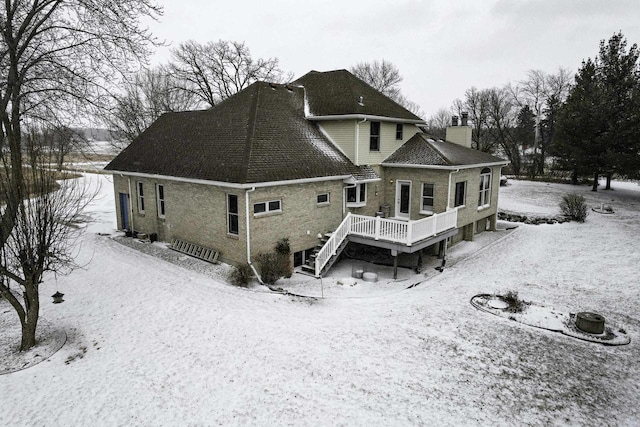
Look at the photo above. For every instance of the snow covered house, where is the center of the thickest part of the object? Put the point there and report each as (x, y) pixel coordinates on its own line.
(324, 154)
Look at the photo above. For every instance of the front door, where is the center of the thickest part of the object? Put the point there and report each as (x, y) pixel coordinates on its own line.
(124, 210)
(403, 199)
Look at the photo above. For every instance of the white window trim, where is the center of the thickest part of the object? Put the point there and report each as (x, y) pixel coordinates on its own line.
(267, 211)
(160, 201)
(422, 197)
(484, 195)
(140, 197)
(328, 202)
(464, 198)
(358, 203)
(236, 214)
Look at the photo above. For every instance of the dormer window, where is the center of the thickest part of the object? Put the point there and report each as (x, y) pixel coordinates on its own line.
(374, 137)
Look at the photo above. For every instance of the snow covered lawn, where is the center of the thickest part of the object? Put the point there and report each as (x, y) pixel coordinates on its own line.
(152, 343)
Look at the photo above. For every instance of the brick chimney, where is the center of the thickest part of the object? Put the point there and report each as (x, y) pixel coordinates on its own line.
(459, 134)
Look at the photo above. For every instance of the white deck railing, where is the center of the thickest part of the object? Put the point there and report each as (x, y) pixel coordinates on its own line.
(391, 230)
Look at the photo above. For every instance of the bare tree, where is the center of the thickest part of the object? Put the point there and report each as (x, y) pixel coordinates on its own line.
(538, 91)
(145, 96)
(502, 116)
(437, 124)
(476, 103)
(58, 59)
(385, 77)
(214, 71)
(43, 231)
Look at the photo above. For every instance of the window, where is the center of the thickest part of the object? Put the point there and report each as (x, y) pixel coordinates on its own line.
(427, 198)
(160, 199)
(140, 187)
(322, 199)
(267, 207)
(484, 198)
(232, 214)
(374, 137)
(357, 195)
(461, 189)
(399, 129)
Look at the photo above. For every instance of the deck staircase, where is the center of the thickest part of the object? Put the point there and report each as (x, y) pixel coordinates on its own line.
(310, 266)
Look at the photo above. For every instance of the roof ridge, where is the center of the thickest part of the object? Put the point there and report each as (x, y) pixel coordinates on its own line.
(251, 130)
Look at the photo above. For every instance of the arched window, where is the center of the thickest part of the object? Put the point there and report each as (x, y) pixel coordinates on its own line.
(484, 198)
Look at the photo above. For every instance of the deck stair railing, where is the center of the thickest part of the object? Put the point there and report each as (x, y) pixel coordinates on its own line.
(377, 228)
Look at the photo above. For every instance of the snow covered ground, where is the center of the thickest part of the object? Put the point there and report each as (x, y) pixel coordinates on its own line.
(152, 343)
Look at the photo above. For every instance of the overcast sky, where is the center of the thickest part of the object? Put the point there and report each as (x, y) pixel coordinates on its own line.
(440, 47)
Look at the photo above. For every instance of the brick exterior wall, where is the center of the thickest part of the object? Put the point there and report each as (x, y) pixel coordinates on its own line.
(197, 213)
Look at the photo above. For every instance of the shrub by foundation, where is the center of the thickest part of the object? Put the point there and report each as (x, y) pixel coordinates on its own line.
(241, 275)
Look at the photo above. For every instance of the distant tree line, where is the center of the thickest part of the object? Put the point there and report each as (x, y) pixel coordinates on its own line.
(586, 127)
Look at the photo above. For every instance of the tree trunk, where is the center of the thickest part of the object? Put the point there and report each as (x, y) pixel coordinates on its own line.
(32, 313)
(29, 326)
(574, 177)
(608, 187)
(595, 182)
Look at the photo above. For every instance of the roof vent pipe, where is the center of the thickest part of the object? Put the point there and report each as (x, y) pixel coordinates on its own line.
(361, 101)
(465, 118)
(454, 120)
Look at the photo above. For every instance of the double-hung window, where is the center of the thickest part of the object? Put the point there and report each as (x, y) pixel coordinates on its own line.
(232, 214)
(160, 200)
(399, 129)
(263, 208)
(461, 190)
(427, 198)
(357, 195)
(374, 137)
(140, 188)
(484, 197)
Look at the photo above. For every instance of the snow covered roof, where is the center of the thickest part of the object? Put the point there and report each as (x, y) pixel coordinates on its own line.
(340, 93)
(422, 150)
(258, 135)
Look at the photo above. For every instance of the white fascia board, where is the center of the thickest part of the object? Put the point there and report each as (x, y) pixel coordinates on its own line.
(447, 168)
(365, 116)
(230, 184)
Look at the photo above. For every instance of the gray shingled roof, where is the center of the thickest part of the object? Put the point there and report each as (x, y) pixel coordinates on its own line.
(258, 135)
(422, 150)
(338, 93)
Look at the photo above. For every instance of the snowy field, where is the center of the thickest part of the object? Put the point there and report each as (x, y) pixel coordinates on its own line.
(152, 343)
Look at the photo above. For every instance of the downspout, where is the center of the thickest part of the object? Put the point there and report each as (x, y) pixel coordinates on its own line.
(246, 213)
(130, 203)
(357, 162)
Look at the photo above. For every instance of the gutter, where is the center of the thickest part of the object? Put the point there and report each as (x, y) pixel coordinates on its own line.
(439, 167)
(366, 117)
(229, 184)
(246, 213)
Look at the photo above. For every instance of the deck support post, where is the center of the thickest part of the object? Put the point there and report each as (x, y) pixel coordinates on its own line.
(419, 261)
(394, 254)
